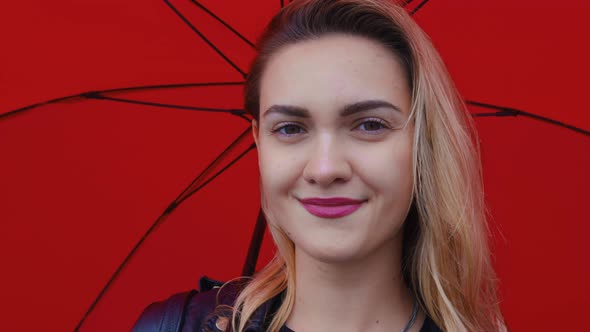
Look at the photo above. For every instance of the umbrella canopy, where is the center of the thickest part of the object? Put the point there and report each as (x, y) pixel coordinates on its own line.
(112, 110)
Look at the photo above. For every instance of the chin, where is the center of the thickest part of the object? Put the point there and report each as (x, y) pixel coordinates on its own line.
(332, 254)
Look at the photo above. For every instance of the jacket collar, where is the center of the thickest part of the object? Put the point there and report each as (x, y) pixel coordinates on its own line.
(260, 319)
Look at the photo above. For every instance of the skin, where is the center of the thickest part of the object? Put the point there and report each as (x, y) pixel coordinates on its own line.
(348, 269)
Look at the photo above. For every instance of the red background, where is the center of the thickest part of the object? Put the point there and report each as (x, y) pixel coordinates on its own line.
(82, 180)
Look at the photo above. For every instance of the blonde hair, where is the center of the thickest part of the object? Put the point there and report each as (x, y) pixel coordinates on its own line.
(446, 259)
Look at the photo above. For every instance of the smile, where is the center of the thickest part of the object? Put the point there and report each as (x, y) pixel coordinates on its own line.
(331, 207)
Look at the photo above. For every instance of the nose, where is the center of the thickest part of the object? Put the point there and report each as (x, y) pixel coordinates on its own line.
(327, 162)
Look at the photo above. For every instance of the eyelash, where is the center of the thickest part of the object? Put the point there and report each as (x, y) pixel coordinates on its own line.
(381, 122)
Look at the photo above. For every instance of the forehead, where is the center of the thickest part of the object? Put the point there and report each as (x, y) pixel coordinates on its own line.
(331, 71)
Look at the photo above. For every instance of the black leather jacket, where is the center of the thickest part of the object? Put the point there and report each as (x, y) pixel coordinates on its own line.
(197, 312)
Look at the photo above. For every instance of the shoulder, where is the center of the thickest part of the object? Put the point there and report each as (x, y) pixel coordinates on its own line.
(187, 311)
(168, 313)
(201, 309)
(200, 306)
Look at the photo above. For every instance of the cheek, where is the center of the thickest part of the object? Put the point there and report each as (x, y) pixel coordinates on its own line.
(387, 168)
(278, 175)
(277, 169)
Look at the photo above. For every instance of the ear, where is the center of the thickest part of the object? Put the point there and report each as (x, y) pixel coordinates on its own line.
(255, 131)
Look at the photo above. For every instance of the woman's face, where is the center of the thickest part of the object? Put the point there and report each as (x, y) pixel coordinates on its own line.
(331, 116)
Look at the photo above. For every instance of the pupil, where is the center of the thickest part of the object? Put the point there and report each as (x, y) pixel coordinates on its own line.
(372, 125)
(290, 129)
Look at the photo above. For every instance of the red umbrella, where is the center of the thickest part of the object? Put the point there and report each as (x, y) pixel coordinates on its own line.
(143, 96)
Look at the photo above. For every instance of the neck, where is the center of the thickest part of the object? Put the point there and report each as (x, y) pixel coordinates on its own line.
(366, 295)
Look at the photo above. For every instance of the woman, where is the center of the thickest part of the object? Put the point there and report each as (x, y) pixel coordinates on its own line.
(370, 180)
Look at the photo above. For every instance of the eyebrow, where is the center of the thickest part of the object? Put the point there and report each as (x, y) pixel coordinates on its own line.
(350, 109)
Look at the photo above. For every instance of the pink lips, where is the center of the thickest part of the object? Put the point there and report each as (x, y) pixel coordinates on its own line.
(334, 207)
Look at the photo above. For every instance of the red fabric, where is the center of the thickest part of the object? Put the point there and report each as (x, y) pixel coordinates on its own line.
(83, 179)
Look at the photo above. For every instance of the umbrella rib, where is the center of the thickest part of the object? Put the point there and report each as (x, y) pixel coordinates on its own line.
(182, 107)
(33, 106)
(255, 243)
(195, 30)
(417, 7)
(503, 111)
(243, 116)
(187, 192)
(160, 219)
(225, 24)
(171, 86)
(132, 88)
(508, 111)
(190, 193)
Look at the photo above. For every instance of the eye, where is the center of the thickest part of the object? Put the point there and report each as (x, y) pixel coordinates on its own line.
(289, 129)
(373, 126)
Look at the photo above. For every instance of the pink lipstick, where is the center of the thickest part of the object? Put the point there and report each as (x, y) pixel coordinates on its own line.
(334, 207)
